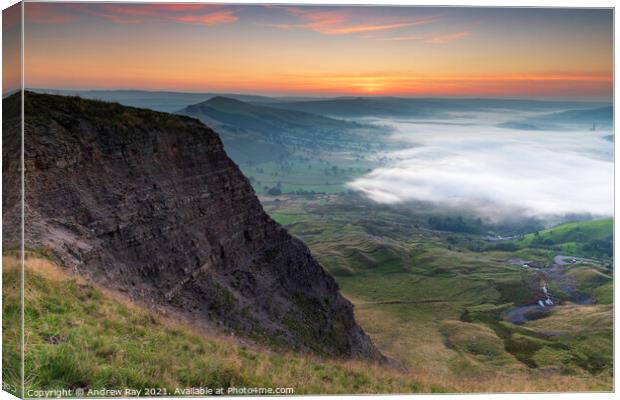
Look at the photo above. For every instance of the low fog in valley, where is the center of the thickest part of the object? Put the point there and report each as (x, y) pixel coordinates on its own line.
(470, 161)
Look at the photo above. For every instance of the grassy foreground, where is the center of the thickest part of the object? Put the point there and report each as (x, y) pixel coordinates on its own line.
(80, 336)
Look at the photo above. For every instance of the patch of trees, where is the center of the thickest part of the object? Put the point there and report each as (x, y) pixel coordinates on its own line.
(455, 224)
(276, 190)
(305, 192)
(502, 246)
(600, 246)
(540, 241)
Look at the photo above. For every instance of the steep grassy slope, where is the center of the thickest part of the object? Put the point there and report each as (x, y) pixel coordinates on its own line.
(82, 336)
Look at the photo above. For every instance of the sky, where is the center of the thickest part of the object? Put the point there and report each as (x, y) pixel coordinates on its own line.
(321, 50)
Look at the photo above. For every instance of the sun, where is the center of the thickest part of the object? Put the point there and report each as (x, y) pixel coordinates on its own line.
(371, 86)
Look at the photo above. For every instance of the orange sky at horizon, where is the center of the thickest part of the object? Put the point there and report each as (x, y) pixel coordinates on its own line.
(399, 51)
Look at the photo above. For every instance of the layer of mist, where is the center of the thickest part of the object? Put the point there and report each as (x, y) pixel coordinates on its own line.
(470, 162)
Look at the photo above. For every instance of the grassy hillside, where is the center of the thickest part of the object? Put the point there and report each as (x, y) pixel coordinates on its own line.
(82, 336)
(427, 299)
(573, 231)
(582, 238)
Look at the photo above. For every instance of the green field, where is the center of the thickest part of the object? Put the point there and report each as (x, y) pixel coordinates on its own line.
(307, 173)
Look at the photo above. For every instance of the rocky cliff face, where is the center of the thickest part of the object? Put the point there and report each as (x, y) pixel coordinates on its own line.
(150, 204)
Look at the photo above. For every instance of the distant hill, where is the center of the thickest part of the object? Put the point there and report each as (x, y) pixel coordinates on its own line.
(343, 107)
(156, 100)
(248, 130)
(359, 107)
(391, 107)
(602, 117)
(272, 123)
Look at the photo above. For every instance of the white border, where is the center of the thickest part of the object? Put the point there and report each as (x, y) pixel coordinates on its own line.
(467, 3)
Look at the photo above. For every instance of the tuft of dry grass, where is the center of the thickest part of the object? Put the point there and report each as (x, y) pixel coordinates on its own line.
(572, 318)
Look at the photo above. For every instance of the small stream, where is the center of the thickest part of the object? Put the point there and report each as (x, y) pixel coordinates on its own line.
(522, 314)
(547, 300)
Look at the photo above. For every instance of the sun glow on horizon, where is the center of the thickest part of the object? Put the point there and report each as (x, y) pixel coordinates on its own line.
(314, 50)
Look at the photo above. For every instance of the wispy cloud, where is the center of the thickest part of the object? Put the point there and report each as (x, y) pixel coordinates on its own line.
(201, 14)
(215, 18)
(451, 37)
(368, 28)
(427, 38)
(338, 22)
(401, 38)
